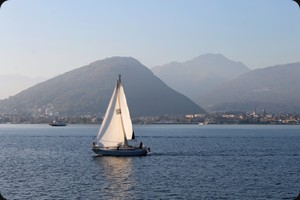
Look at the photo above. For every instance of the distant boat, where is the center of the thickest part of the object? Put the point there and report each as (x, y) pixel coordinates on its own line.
(57, 123)
(116, 129)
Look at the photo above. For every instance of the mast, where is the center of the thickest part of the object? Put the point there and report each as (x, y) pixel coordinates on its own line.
(119, 101)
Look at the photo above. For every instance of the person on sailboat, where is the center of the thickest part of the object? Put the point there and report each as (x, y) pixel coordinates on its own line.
(94, 144)
(141, 145)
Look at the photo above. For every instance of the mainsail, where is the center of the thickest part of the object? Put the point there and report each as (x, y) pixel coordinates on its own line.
(116, 127)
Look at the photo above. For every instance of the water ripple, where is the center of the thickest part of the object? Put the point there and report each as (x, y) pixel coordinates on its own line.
(184, 164)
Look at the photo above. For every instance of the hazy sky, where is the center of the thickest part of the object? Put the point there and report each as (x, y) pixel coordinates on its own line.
(47, 38)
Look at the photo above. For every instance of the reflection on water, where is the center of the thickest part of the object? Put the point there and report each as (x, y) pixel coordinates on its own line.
(117, 172)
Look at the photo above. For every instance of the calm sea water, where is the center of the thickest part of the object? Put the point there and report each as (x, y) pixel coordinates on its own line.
(187, 162)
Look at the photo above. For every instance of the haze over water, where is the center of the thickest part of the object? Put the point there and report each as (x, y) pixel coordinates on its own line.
(187, 162)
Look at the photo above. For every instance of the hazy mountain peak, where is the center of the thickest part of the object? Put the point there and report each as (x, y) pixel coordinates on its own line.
(200, 74)
(115, 61)
(211, 56)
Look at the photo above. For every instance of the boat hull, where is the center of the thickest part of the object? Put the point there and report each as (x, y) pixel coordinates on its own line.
(121, 152)
(58, 124)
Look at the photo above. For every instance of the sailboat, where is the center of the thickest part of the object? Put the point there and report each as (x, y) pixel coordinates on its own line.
(116, 129)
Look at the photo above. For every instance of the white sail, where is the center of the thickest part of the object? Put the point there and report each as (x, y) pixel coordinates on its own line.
(116, 127)
(125, 114)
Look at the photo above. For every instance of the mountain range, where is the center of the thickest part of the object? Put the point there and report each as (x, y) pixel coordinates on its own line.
(87, 90)
(214, 82)
(274, 89)
(199, 75)
(218, 84)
